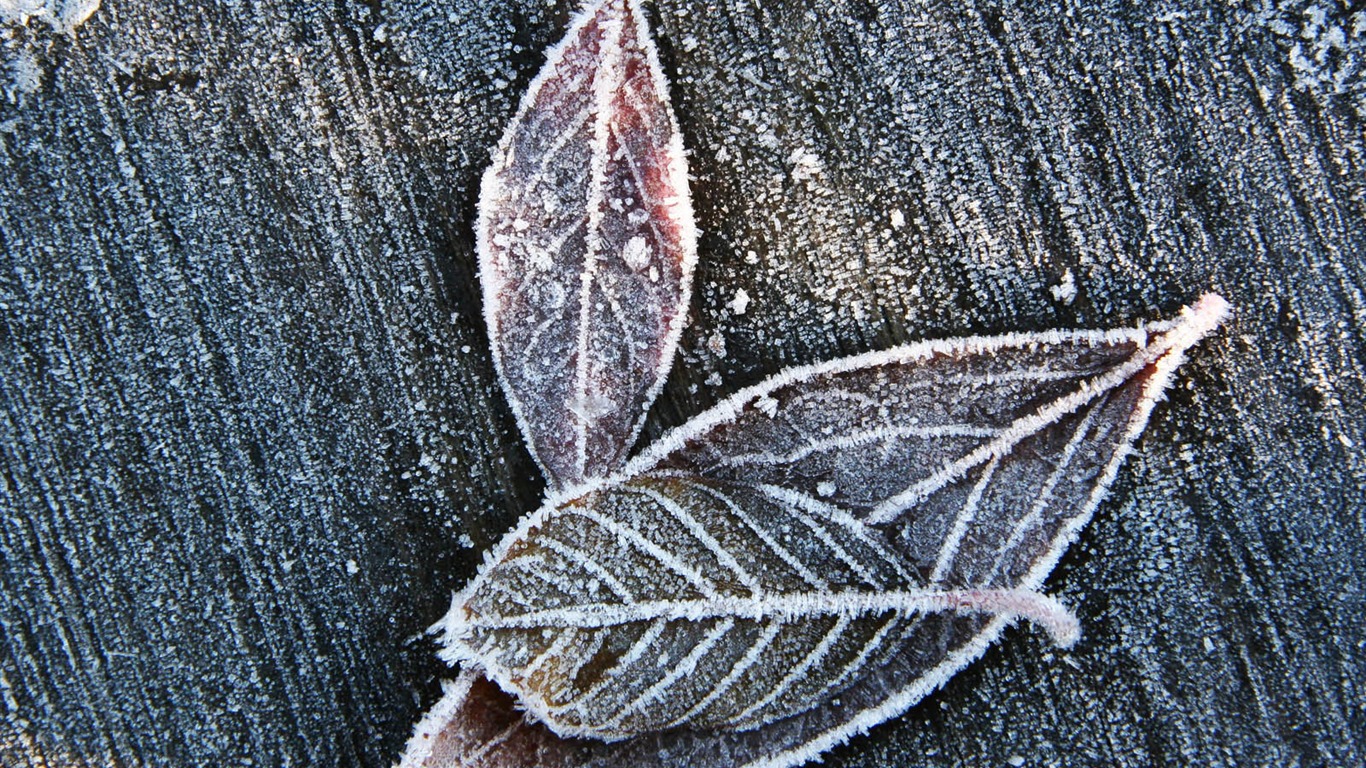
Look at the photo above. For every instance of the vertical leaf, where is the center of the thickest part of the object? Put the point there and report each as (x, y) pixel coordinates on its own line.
(587, 244)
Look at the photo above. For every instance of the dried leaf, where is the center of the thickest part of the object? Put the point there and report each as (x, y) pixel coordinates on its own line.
(586, 244)
(971, 448)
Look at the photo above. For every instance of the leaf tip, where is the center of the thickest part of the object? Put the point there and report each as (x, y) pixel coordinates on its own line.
(1057, 620)
(1045, 610)
(1208, 312)
(1065, 629)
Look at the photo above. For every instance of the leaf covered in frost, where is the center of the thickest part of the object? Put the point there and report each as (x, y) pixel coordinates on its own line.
(586, 245)
(977, 452)
(668, 601)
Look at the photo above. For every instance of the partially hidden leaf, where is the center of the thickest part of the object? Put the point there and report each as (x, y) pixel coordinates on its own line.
(477, 724)
(586, 245)
(812, 556)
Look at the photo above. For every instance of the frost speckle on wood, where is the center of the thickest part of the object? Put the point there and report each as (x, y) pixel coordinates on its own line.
(799, 563)
(63, 16)
(1322, 46)
(23, 73)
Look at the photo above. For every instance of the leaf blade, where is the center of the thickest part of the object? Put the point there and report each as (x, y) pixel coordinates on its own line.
(587, 245)
(972, 398)
(695, 611)
(678, 587)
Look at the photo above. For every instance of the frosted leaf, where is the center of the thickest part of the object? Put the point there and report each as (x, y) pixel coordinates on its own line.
(586, 245)
(728, 606)
(892, 431)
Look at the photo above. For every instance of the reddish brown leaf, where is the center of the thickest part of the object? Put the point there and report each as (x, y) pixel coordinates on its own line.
(587, 245)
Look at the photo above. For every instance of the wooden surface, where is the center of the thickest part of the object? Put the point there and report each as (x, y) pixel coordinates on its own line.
(250, 436)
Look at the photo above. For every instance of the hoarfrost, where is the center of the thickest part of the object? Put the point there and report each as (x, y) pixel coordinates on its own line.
(64, 16)
(740, 304)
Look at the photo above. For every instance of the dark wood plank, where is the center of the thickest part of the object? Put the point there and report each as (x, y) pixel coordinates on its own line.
(250, 437)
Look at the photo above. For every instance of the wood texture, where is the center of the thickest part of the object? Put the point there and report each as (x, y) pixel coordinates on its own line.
(250, 438)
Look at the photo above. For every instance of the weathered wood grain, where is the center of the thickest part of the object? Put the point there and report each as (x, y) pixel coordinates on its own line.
(250, 438)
